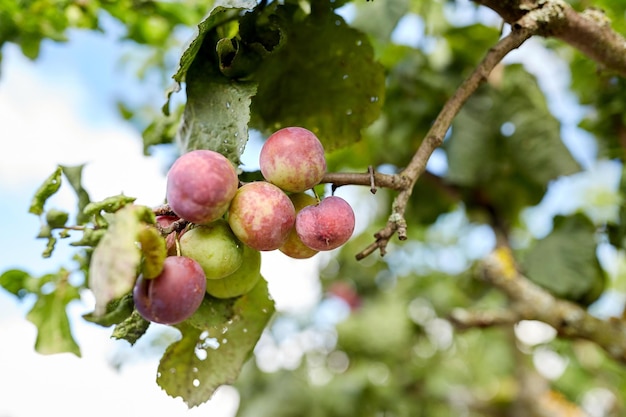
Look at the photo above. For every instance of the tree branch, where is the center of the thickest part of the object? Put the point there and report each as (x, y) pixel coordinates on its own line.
(391, 181)
(467, 319)
(589, 31)
(434, 137)
(531, 302)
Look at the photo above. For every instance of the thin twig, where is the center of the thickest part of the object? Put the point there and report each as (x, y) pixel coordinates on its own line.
(434, 137)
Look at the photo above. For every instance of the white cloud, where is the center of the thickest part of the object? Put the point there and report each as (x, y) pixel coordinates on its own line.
(41, 128)
(35, 385)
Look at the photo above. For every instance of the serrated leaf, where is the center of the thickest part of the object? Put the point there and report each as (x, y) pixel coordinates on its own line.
(46, 190)
(324, 78)
(49, 315)
(74, 175)
(56, 218)
(222, 12)
(217, 112)
(218, 16)
(116, 312)
(114, 263)
(565, 261)
(205, 358)
(132, 328)
(154, 252)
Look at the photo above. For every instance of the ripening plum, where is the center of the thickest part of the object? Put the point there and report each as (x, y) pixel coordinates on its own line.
(214, 247)
(241, 281)
(174, 295)
(293, 246)
(327, 225)
(261, 215)
(293, 159)
(200, 185)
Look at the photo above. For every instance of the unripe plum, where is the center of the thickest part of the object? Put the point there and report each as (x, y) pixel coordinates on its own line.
(326, 225)
(261, 215)
(200, 185)
(293, 246)
(241, 281)
(174, 295)
(214, 247)
(293, 159)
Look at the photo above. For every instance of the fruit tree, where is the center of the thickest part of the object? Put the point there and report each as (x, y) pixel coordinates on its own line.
(414, 152)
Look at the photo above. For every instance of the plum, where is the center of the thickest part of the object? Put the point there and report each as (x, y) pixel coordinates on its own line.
(327, 225)
(174, 295)
(261, 215)
(293, 159)
(200, 186)
(293, 246)
(214, 247)
(241, 281)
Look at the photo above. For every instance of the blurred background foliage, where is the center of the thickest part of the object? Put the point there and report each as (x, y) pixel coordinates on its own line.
(379, 342)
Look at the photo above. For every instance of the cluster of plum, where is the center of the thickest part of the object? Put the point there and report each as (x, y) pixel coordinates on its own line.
(219, 251)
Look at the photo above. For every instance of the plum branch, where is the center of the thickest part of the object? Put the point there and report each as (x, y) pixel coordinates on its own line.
(589, 31)
(405, 180)
(531, 302)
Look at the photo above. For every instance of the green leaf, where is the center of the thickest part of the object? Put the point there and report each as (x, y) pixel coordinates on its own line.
(217, 112)
(213, 353)
(115, 260)
(91, 237)
(45, 232)
(74, 176)
(162, 130)
(218, 16)
(49, 315)
(18, 282)
(236, 60)
(56, 218)
(108, 205)
(565, 262)
(324, 78)
(117, 311)
(46, 190)
(221, 14)
(52, 241)
(132, 328)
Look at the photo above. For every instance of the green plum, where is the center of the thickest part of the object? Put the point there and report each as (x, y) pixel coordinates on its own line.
(241, 281)
(214, 247)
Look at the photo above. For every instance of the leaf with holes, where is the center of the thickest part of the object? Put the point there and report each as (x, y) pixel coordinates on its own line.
(215, 344)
